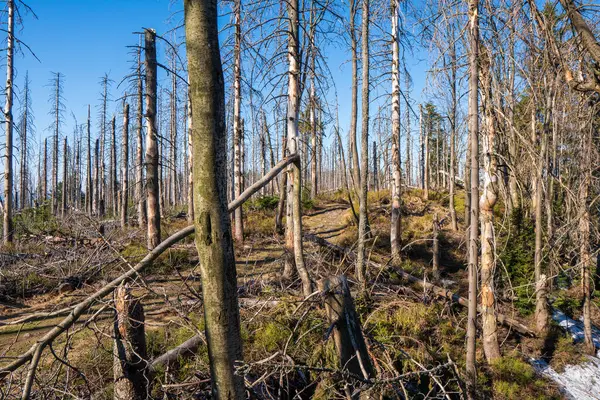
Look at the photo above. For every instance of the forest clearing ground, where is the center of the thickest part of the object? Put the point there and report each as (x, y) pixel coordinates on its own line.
(396, 317)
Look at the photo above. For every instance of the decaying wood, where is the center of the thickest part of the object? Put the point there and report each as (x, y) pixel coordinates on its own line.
(79, 309)
(341, 314)
(437, 290)
(129, 365)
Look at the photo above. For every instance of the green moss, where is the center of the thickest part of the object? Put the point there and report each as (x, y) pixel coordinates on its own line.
(565, 353)
(513, 369)
(271, 337)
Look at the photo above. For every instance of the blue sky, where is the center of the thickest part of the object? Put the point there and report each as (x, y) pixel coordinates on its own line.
(86, 39)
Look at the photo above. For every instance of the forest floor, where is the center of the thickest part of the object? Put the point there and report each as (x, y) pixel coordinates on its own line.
(407, 329)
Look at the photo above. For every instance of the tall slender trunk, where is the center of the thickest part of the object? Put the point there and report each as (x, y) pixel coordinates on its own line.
(55, 145)
(427, 131)
(362, 220)
(313, 120)
(395, 233)
(487, 202)
(89, 189)
(102, 167)
(65, 191)
(541, 301)
(139, 163)
(114, 193)
(8, 116)
(125, 166)
(292, 131)
(213, 230)
(408, 162)
(173, 148)
(190, 177)
(237, 129)
(96, 198)
(354, 101)
(45, 173)
(585, 258)
(23, 175)
(473, 34)
(152, 189)
(421, 149)
(453, 107)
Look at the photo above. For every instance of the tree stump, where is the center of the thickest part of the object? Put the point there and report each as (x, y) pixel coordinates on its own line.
(130, 357)
(347, 333)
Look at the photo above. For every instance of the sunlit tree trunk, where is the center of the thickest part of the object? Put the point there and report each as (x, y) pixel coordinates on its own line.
(89, 188)
(213, 230)
(453, 122)
(487, 202)
(125, 166)
(237, 129)
(473, 34)
(64, 194)
(395, 233)
(152, 189)
(292, 130)
(362, 221)
(8, 116)
(585, 258)
(190, 177)
(139, 163)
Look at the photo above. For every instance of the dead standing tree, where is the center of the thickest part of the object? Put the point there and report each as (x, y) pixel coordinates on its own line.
(213, 229)
(8, 116)
(152, 189)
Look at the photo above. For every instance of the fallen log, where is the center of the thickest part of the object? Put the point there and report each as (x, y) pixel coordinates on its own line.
(34, 352)
(437, 290)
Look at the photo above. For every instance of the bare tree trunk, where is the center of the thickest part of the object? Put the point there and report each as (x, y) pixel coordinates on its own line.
(101, 189)
(139, 164)
(55, 144)
(24, 173)
(63, 207)
(453, 78)
(473, 34)
(542, 316)
(130, 357)
(114, 193)
(487, 202)
(8, 115)
(281, 206)
(190, 213)
(173, 148)
(89, 188)
(152, 189)
(586, 260)
(395, 229)
(408, 163)
(362, 223)
(125, 166)
(354, 102)
(421, 148)
(237, 129)
(213, 229)
(428, 127)
(435, 248)
(96, 199)
(45, 173)
(292, 131)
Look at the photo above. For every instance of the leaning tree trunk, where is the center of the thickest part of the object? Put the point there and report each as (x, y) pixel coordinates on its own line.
(292, 129)
(125, 166)
(395, 233)
(474, 179)
(213, 229)
(152, 190)
(487, 202)
(8, 115)
(364, 172)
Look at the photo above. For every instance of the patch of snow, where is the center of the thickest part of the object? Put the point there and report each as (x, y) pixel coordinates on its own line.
(575, 328)
(577, 382)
